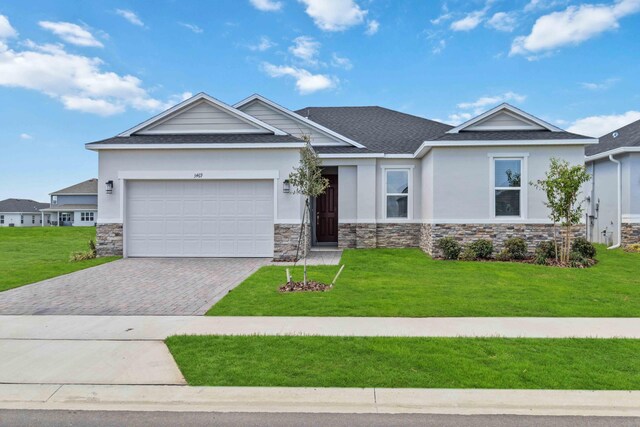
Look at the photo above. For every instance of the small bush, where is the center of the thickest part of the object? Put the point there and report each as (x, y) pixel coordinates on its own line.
(516, 248)
(634, 247)
(84, 255)
(545, 251)
(504, 255)
(468, 254)
(482, 248)
(577, 260)
(450, 247)
(583, 247)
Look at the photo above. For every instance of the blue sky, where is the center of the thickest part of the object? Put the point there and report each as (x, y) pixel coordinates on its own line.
(76, 72)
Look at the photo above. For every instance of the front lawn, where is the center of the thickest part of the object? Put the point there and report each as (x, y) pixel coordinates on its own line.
(28, 255)
(408, 283)
(311, 361)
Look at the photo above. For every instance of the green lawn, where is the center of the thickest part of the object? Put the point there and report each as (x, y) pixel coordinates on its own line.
(408, 283)
(311, 361)
(28, 255)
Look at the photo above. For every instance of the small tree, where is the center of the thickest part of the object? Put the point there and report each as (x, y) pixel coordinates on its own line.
(307, 180)
(562, 185)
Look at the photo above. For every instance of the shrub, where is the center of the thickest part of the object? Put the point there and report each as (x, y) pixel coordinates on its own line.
(504, 255)
(450, 247)
(545, 251)
(468, 254)
(84, 255)
(583, 247)
(634, 247)
(577, 260)
(482, 248)
(516, 248)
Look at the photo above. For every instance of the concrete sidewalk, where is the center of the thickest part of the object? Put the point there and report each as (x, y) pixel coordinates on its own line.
(137, 328)
(319, 400)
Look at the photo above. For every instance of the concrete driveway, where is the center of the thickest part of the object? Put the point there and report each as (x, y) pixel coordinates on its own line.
(134, 286)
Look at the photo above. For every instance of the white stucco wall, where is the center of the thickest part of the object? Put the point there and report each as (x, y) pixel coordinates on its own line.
(14, 218)
(347, 194)
(190, 162)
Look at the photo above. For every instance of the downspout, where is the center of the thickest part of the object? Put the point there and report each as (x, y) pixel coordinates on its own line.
(617, 245)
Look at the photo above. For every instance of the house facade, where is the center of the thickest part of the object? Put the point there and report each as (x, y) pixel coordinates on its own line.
(75, 206)
(22, 213)
(209, 179)
(614, 196)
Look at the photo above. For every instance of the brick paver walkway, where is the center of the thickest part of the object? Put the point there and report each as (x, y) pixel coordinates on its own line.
(134, 286)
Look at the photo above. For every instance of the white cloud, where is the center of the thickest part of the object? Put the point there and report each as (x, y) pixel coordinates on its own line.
(130, 16)
(372, 27)
(534, 5)
(306, 82)
(341, 62)
(457, 118)
(597, 126)
(6, 30)
(572, 26)
(469, 22)
(267, 5)
(334, 15)
(486, 101)
(439, 46)
(502, 21)
(79, 82)
(264, 44)
(25, 136)
(192, 27)
(601, 85)
(71, 33)
(306, 49)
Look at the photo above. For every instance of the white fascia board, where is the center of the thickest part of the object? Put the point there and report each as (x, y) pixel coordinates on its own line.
(615, 151)
(351, 156)
(497, 220)
(297, 117)
(428, 145)
(73, 194)
(130, 146)
(508, 107)
(202, 175)
(196, 98)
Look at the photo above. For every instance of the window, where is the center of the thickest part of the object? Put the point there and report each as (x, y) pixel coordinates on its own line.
(65, 217)
(54, 200)
(21, 219)
(33, 219)
(507, 187)
(1, 219)
(397, 193)
(86, 216)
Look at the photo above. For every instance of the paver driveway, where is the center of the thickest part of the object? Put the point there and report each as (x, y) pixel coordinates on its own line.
(134, 286)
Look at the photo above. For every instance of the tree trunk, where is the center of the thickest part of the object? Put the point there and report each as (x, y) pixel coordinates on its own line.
(306, 236)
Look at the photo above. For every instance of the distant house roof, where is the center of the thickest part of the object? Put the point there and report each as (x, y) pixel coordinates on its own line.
(626, 136)
(64, 208)
(199, 139)
(89, 186)
(21, 206)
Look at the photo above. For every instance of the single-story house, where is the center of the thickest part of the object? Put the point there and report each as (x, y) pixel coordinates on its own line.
(75, 206)
(22, 213)
(209, 179)
(614, 199)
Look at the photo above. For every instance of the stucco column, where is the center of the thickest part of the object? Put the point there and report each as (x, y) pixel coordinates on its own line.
(366, 206)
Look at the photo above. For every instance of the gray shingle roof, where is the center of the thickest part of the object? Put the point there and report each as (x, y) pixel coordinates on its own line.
(200, 139)
(61, 208)
(628, 136)
(21, 205)
(89, 186)
(506, 135)
(381, 130)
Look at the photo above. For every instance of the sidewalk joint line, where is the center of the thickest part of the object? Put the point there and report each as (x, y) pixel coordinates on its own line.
(52, 394)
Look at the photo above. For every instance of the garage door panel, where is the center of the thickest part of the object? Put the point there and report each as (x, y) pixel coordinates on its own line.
(199, 218)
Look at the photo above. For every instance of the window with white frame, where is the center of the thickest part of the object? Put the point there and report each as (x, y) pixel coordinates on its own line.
(507, 186)
(54, 200)
(397, 193)
(86, 216)
(1, 219)
(33, 219)
(21, 219)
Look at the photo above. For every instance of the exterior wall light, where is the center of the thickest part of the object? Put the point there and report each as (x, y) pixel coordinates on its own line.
(286, 186)
(109, 186)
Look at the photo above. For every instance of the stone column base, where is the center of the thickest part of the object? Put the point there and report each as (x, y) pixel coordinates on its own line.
(347, 236)
(285, 242)
(366, 236)
(630, 233)
(109, 240)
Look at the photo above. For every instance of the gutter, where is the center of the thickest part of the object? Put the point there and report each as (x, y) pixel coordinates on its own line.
(619, 191)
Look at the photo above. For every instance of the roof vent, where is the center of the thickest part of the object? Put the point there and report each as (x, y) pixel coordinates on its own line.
(615, 134)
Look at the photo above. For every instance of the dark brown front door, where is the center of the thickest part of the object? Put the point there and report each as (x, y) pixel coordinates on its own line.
(327, 213)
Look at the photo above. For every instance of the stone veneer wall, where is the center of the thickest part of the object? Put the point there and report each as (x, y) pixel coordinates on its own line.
(366, 236)
(109, 240)
(630, 233)
(285, 241)
(347, 235)
(398, 235)
(533, 234)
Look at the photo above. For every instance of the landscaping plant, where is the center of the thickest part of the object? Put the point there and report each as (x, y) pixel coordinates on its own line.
(634, 247)
(450, 247)
(562, 185)
(515, 248)
(584, 247)
(482, 248)
(85, 255)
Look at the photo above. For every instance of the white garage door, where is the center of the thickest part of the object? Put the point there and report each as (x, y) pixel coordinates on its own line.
(199, 219)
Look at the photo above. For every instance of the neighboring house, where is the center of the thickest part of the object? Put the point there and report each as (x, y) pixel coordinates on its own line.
(74, 206)
(208, 179)
(22, 213)
(614, 164)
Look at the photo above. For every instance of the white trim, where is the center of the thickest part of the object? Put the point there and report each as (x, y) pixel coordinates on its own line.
(201, 132)
(404, 168)
(351, 156)
(200, 175)
(615, 151)
(510, 108)
(426, 146)
(524, 173)
(72, 194)
(631, 219)
(69, 210)
(504, 220)
(297, 117)
(193, 100)
(182, 146)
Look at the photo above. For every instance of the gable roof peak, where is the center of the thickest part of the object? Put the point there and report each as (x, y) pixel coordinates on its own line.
(511, 110)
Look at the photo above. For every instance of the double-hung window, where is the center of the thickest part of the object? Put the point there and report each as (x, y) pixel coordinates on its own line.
(86, 216)
(397, 192)
(507, 187)
(1, 219)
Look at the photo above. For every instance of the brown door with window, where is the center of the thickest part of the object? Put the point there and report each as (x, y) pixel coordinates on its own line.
(327, 213)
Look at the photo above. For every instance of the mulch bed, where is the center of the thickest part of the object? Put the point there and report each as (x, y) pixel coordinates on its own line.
(300, 287)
